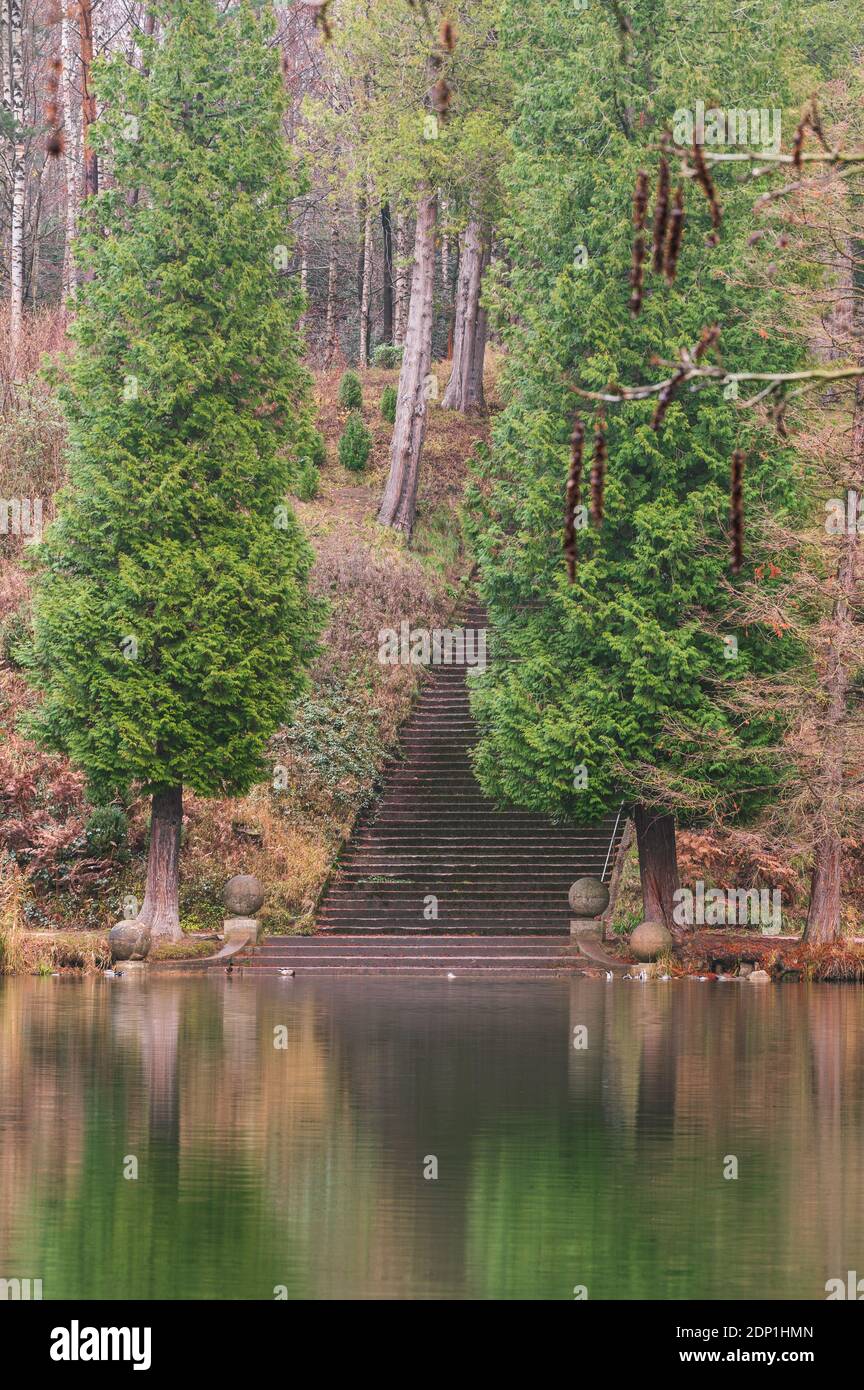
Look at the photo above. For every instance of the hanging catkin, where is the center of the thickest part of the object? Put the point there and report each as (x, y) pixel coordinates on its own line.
(574, 484)
(736, 511)
(661, 214)
(640, 207)
(673, 237)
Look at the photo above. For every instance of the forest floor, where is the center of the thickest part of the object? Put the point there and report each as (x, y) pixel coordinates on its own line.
(59, 876)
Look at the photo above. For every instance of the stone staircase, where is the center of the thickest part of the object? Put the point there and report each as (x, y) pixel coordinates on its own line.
(437, 876)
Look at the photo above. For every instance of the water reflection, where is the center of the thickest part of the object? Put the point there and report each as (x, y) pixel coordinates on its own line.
(302, 1165)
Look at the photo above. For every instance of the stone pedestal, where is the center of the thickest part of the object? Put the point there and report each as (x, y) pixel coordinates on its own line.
(586, 926)
(246, 927)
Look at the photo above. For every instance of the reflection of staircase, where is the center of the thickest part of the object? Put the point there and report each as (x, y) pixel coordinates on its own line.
(499, 878)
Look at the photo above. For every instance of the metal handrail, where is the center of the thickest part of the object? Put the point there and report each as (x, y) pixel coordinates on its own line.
(611, 843)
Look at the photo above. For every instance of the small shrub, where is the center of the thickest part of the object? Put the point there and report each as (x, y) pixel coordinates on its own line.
(350, 391)
(388, 403)
(308, 481)
(106, 832)
(318, 449)
(15, 636)
(387, 355)
(355, 444)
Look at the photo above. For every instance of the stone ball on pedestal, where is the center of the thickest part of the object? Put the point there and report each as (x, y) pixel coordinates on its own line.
(129, 940)
(244, 894)
(650, 940)
(588, 897)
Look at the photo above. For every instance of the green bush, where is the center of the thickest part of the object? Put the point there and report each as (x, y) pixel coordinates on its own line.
(16, 636)
(388, 403)
(308, 481)
(350, 391)
(355, 444)
(106, 832)
(387, 355)
(318, 450)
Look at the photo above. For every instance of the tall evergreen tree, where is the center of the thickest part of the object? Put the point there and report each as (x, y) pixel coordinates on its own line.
(172, 619)
(626, 667)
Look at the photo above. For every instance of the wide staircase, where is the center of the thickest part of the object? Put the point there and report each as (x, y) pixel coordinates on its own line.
(436, 877)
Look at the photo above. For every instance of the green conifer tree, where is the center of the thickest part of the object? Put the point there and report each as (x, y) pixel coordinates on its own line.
(599, 671)
(172, 618)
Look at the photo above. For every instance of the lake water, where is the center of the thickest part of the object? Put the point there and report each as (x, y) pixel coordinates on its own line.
(300, 1167)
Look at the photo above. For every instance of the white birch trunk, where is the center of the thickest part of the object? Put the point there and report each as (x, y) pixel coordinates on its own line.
(19, 185)
(67, 57)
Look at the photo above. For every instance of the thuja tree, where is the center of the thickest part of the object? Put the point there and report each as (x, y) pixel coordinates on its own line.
(623, 667)
(172, 620)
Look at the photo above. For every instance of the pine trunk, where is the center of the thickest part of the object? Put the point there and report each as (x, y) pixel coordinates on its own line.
(658, 863)
(161, 907)
(400, 497)
(476, 396)
(88, 97)
(331, 331)
(402, 281)
(387, 277)
(366, 288)
(462, 381)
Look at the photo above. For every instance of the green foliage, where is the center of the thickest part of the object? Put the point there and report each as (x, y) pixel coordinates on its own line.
(172, 618)
(624, 670)
(16, 637)
(355, 444)
(106, 832)
(350, 391)
(389, 397)
(388, 355)
(308, 482)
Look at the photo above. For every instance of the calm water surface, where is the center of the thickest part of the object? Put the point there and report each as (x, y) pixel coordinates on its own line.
(302, 1165)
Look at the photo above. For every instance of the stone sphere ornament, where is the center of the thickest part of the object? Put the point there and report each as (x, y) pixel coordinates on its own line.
(129, 941)
(649, 940)
(244, 894)
(588, 897)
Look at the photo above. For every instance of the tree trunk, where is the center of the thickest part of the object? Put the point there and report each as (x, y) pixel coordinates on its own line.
(387, 278)
(476, 396)
(366, 287)
(403, 288)
(400, 496)
(161, 909)
(462, 377)
(331, 330)
(88, 97)
(19, 180)
(658, 863)
(67, 57)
